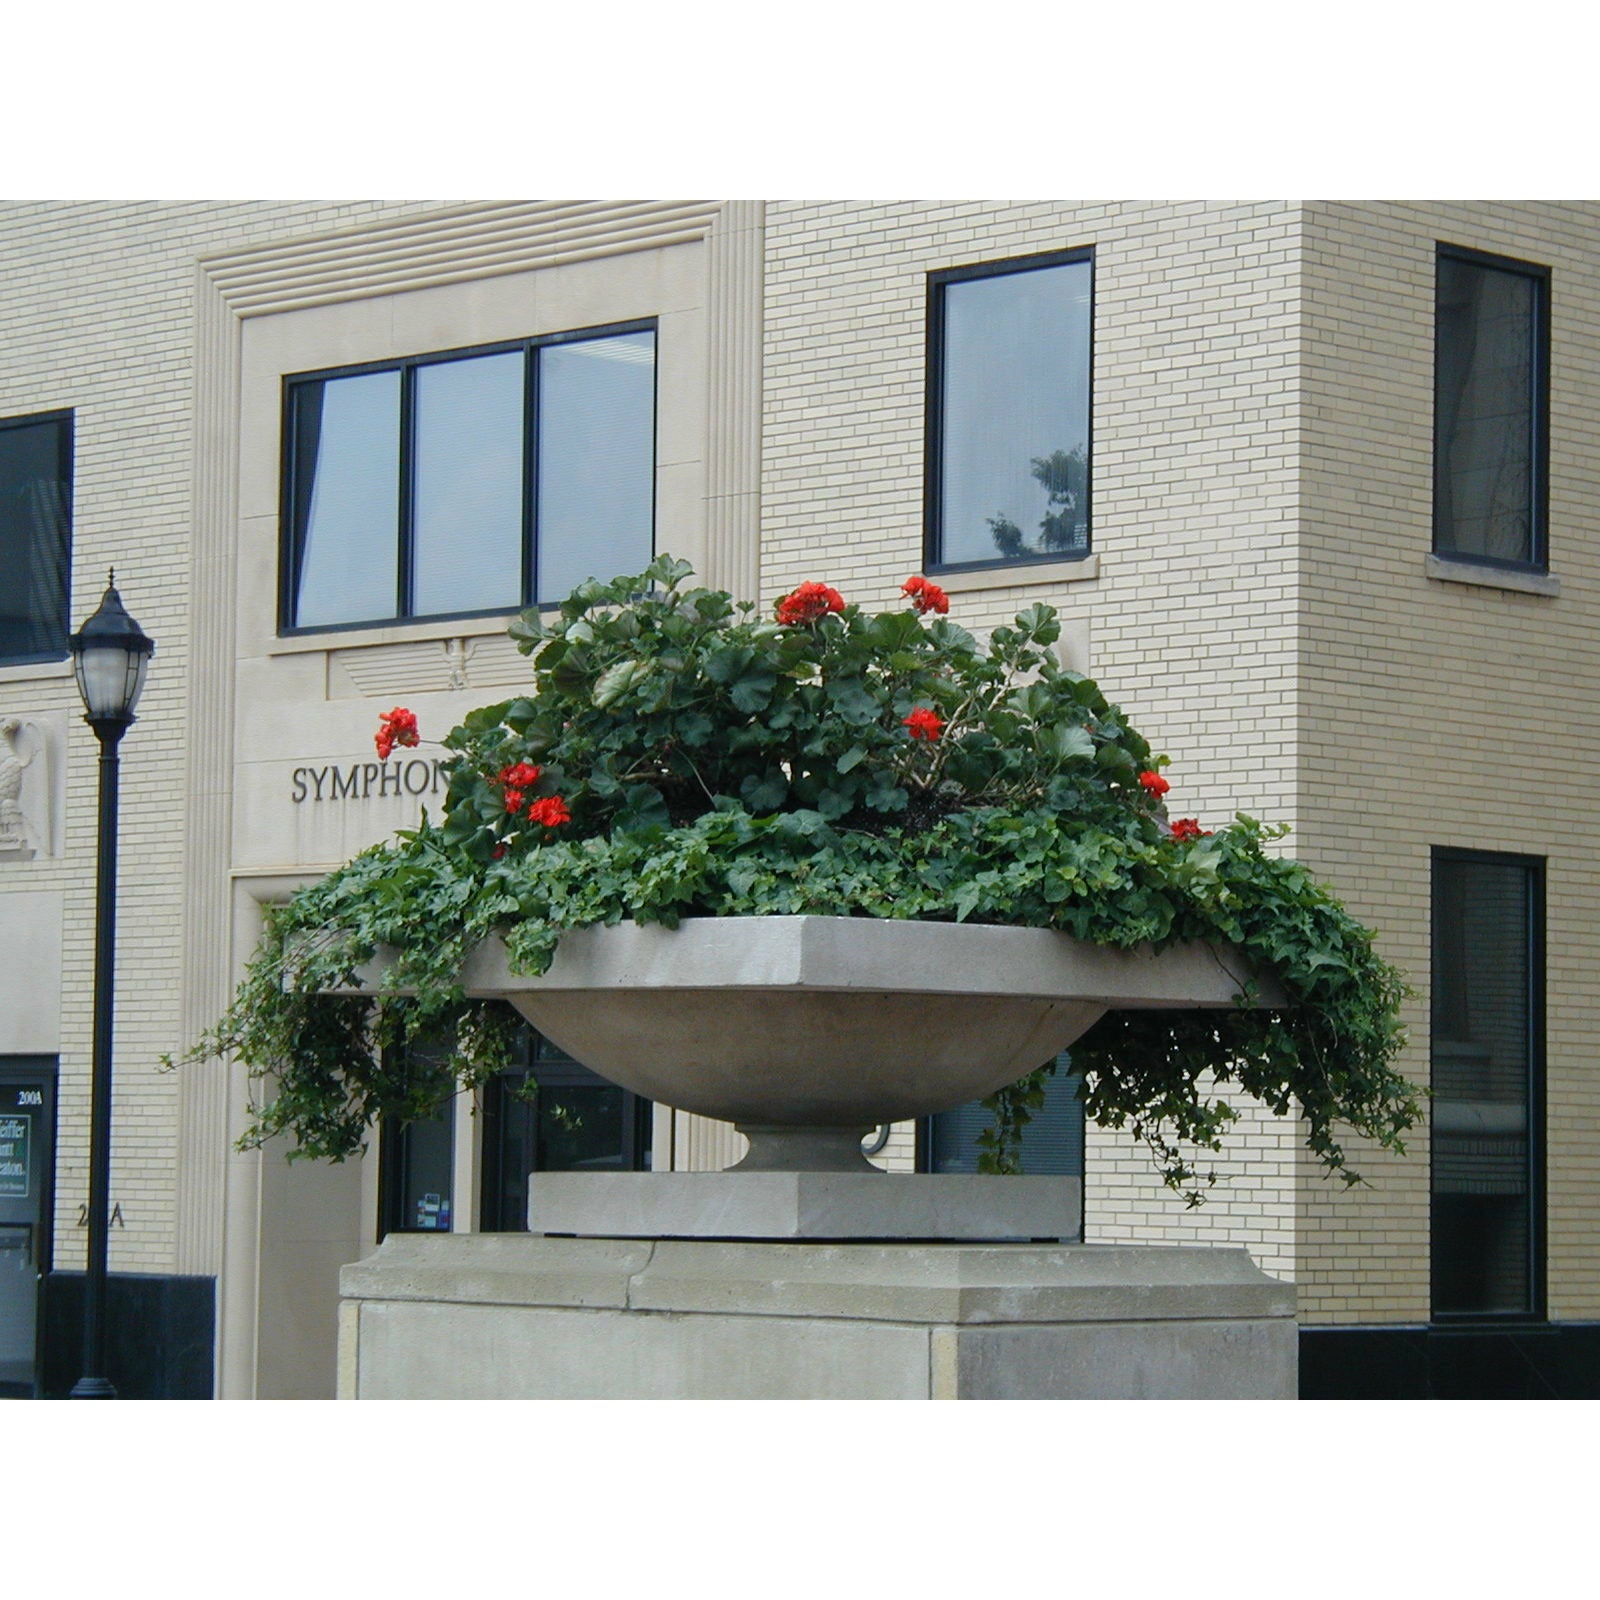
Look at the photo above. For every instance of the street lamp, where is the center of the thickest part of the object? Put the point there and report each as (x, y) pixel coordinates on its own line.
(109, 658)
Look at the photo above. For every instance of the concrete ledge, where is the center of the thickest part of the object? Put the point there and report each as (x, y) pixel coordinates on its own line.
(1484, 576)
(804, 1205)
(520, 1316)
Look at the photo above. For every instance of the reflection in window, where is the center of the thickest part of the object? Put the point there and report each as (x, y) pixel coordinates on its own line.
(551, 1114)
(347, 481)
(1489, 423)
(416, 1169)
(1485, 1079)
(469, 485)
(35, 536)
(1011, 402)
(596, 485)
(446, 486)
(1052, 1143)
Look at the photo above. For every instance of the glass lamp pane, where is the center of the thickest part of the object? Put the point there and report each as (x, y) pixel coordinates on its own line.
(1014, 444)
(347, 499)
(468, 507)
(597, 407)
(110, 680)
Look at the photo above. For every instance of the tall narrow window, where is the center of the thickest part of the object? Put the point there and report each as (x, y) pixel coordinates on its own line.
(35, 536)
(416, 1173)
(1008, 412)
(1491, 357)
(468, 482)
(1488, 1080)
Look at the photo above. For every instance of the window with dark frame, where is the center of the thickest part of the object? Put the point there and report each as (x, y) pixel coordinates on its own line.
(551, 1114)
(35, 536)
(1491, 410)
(1010, 348)
(467, 482)
(416, 1169)
(1488, 1085)
(1052, 1142)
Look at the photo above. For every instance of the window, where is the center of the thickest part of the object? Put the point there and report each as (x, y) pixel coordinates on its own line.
(1052, 1143)
(1488, 1083)
(468, 482)
(416, 1168)
(549, 1114)
(1008, 411)
(35, 536)
(1491, 408)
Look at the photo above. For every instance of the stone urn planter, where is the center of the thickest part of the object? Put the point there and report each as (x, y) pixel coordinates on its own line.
(807, 1031)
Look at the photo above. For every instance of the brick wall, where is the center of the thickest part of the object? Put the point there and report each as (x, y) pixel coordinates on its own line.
(97, 316)
(1440, 714)
(1191, 619)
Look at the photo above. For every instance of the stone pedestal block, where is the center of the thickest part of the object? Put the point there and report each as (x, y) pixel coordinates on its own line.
(806, 1205)
(526, 1317)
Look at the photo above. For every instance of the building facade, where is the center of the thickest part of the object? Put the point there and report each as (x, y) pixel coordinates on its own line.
(1307, 481)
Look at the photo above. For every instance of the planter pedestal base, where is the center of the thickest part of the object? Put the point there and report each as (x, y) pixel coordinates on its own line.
(741, 1204)
(519, 1316)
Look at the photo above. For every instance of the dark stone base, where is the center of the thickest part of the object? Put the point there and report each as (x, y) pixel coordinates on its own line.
(160, 1335)
(1525, 1361)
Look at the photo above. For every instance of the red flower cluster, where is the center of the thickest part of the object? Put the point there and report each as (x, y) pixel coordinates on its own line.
(551, 812)
(1188, 828)
(809, 603)
(521, 776)
(926, 596)
(1153, 783)
(396, 727)
(924, 724)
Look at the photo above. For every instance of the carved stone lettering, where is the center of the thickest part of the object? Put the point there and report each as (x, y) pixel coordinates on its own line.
(366, 780)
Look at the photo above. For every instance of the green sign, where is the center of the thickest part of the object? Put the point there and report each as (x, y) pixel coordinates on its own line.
(16, 1133)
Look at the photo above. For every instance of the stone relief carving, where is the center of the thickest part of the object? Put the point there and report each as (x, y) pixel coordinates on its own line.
(24, 792)
(457, 653)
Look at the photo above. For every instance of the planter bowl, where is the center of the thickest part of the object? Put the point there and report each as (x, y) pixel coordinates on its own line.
(806, 1031)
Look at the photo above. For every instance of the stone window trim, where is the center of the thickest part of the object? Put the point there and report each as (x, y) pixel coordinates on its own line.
(1485, 575)
(974, 580)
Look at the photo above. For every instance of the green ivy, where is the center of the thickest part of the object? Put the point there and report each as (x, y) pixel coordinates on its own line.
(714, 763)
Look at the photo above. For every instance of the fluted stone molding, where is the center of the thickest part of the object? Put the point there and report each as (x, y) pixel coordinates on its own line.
(733, 425)
(458, 244)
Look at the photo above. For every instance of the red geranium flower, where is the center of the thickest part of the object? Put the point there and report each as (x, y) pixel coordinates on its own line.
(926, 596)
(809, 603)
(1188, 828)
(514, 800)
(552, 811)
(395, 727)
(1153, 783)
(521, 776)
(923, 723)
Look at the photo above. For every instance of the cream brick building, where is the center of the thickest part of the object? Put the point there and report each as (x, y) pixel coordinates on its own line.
(1256, 578)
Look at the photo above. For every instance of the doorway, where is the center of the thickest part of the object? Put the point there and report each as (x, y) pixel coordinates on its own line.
(27, 1182)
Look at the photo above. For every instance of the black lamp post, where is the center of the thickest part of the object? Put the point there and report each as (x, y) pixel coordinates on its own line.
(109, 657)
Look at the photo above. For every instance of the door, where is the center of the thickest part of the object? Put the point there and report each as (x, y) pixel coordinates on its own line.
(27, 1130)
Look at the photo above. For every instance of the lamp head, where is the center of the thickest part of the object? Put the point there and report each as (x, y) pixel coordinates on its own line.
(110, 655)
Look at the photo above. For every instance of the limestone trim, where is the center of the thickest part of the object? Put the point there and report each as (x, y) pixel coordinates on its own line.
(1033, 576)
(442, 245)
(1483, 576)
(455, 245)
